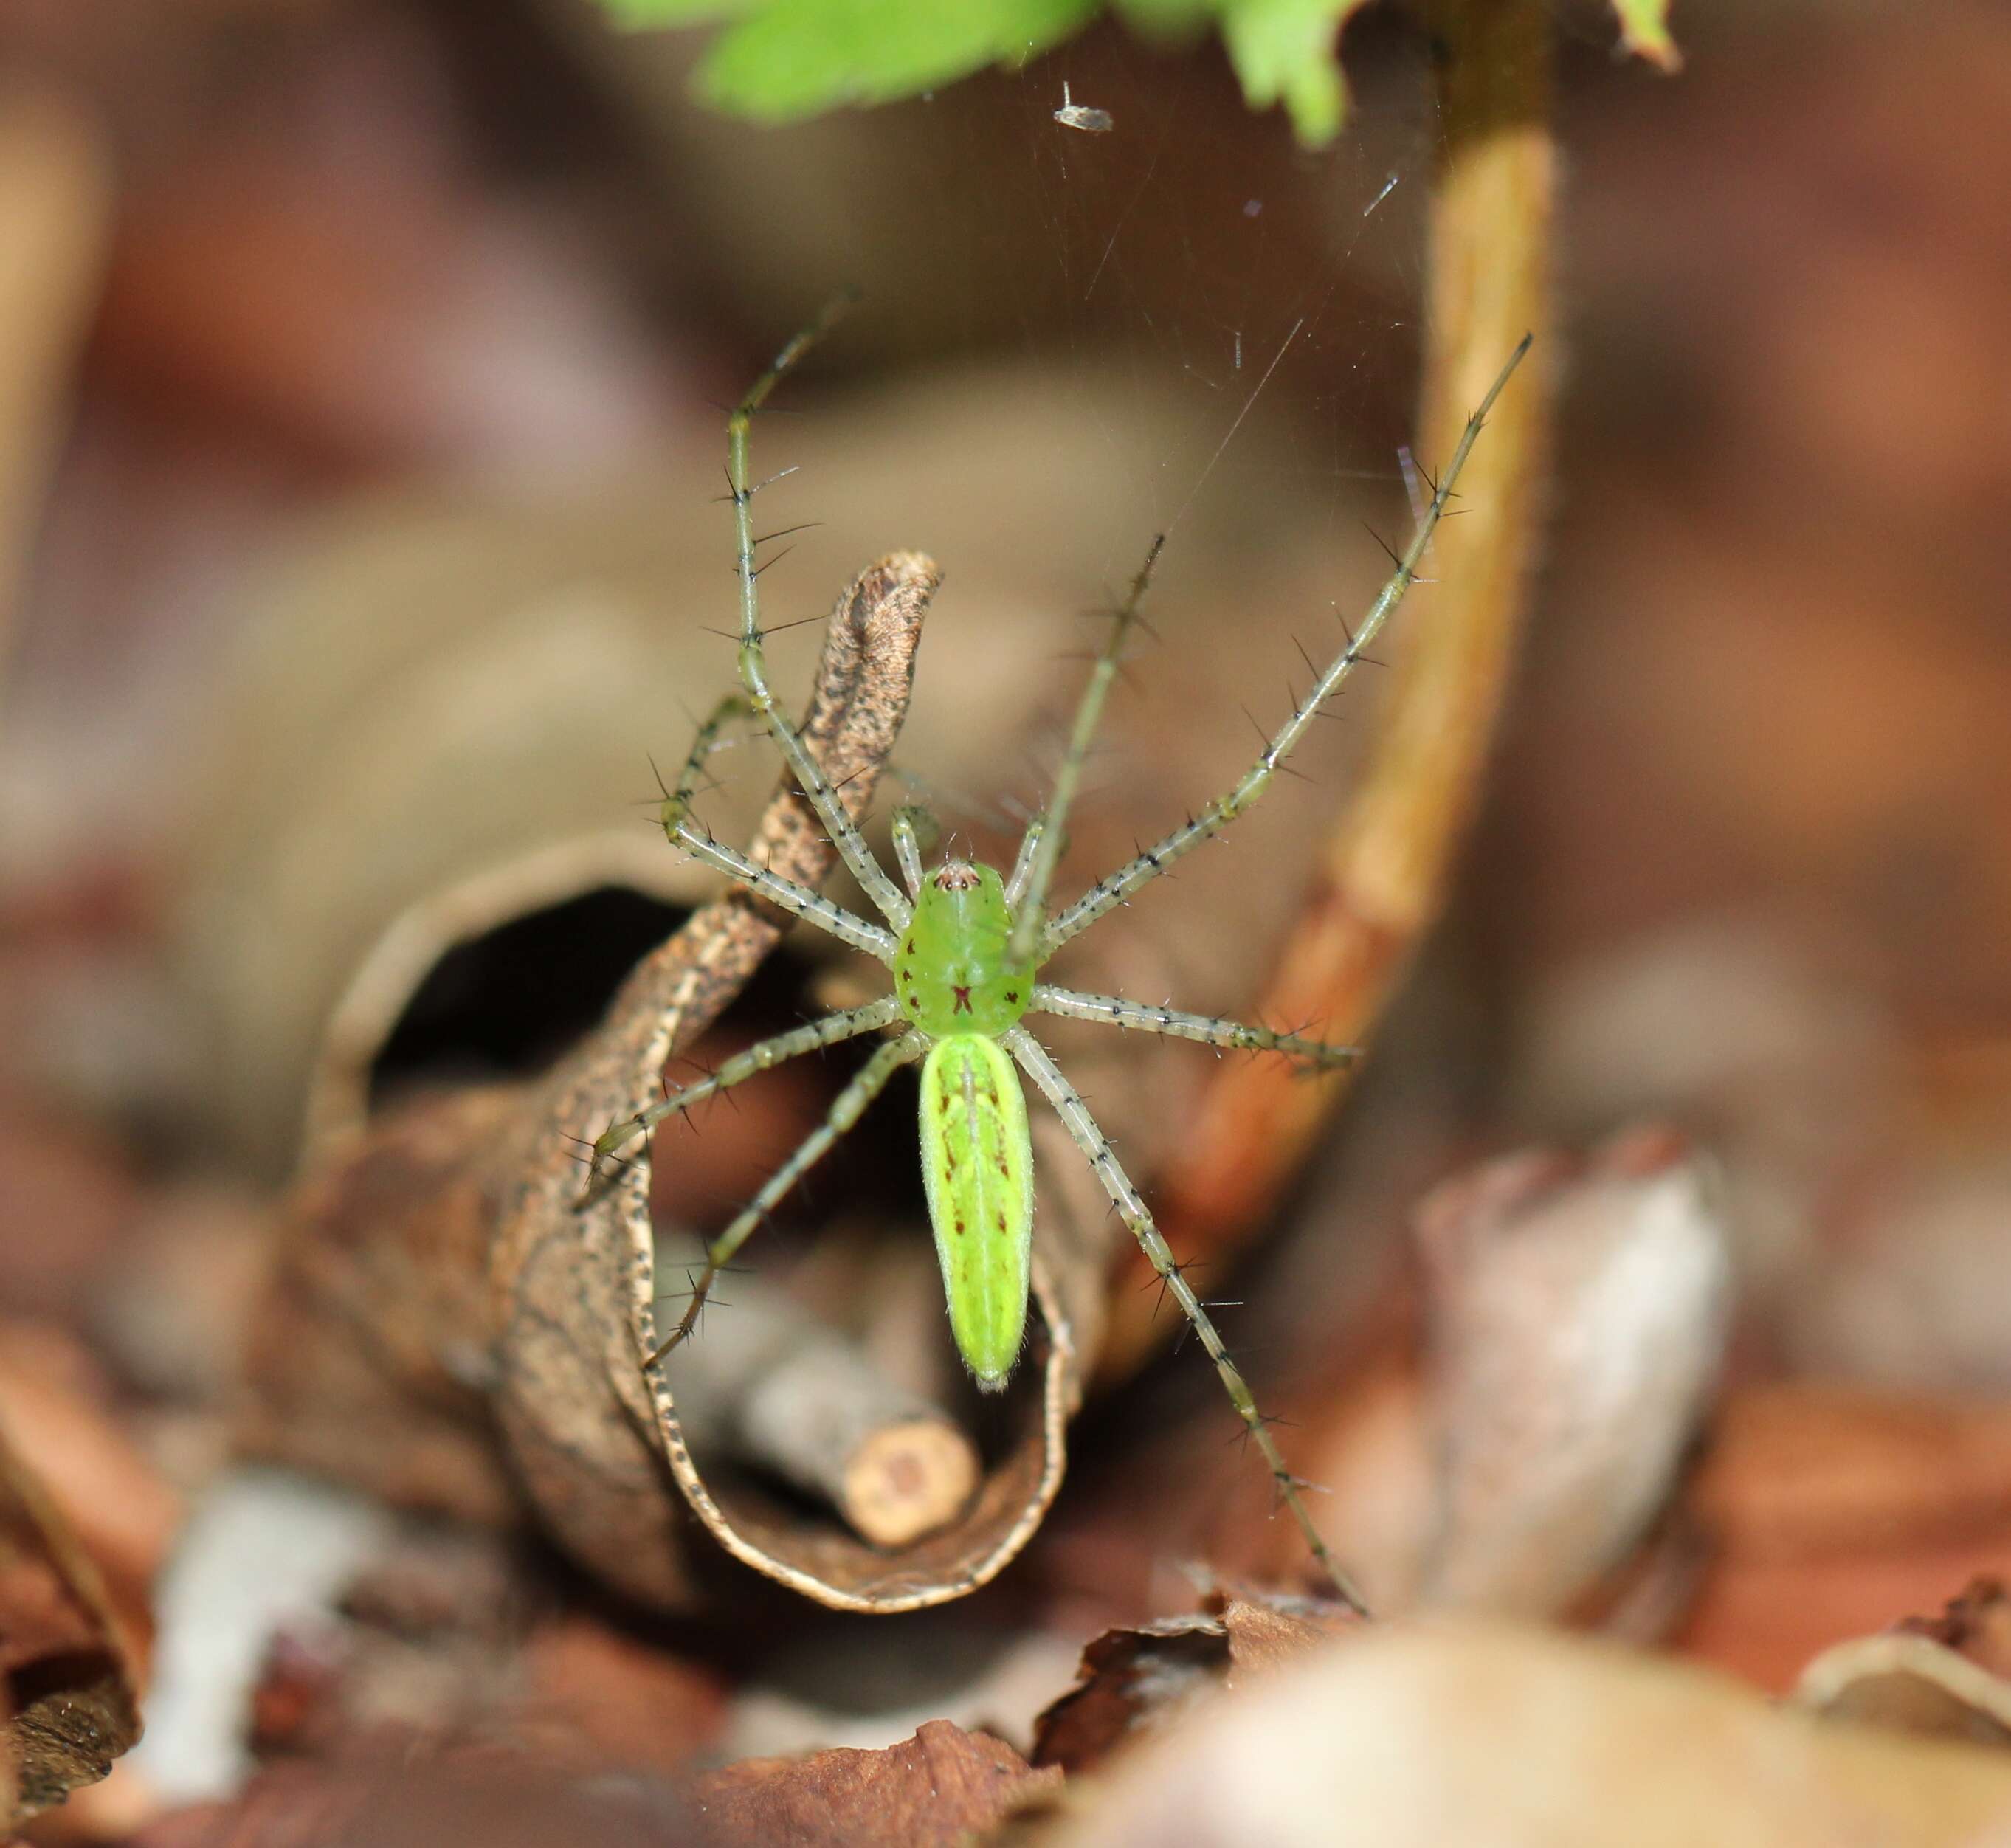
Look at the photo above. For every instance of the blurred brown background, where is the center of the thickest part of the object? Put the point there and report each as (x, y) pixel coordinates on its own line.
(359, 375)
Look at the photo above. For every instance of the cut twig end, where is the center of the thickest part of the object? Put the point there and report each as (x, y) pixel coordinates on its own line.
(904, 1482)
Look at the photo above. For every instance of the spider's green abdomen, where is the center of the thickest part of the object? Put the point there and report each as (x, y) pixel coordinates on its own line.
(951, 971)
(978, 1163)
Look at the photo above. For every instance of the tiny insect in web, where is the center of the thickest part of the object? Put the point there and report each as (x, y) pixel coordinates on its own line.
(964, 944)
(1081, 115)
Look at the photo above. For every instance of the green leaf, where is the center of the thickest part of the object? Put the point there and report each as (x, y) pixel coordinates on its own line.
(1282, 51)
(777, 60)
(792, 58)
(1644, 30)
(637, 16)
(1289, 51)
(1169, 18)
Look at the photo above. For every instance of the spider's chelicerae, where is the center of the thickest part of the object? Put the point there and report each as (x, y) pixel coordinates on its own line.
(966, 946)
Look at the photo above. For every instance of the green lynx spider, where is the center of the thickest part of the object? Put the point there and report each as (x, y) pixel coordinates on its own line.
(965, 947)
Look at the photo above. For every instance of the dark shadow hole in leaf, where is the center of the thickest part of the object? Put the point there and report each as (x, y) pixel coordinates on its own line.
(505, 1004)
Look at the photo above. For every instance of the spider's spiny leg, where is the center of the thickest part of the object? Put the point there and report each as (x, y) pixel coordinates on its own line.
(1023, 863)
(851, 845)
(1208, 1030)
(763, 1056)
(812, 907)
(677, 801)
(1091, 1140)
(845, 1110)
(1042, 845)
(1115, 888)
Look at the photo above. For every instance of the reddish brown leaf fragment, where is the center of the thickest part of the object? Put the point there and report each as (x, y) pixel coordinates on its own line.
(70, 1705)
(1267, 1629)
(1977, 1623)
(1134, 1680)
(932, 1791)
(1129, 1680)
(1943, 1677)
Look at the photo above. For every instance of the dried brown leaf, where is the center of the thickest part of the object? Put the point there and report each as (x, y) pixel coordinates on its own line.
(471, 1799)
(1909, 1684)
(1829, 1507)
(593, 1692)
(934, 1790)
(1943, 1677)
(69, 1686)
(1132, 1681)
(1975, 1624)
(1267, 1629)
(56, 201)
(1419, 1737)
(1579, 1312)
(1129, 1679)
(1805, 1468)
(56, 1406)
(1512, 1434)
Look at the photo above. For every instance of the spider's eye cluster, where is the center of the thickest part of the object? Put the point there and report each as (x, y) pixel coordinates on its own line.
(957, 875)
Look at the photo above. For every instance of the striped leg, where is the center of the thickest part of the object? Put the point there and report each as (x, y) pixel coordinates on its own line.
(1081, 1125)
(851, 845)
(1116, 888)
(812, 907)
(826, 1029)
(846, 1108)
(1042, 845)
(677, 803)
(1208, 1030)
(799, 900)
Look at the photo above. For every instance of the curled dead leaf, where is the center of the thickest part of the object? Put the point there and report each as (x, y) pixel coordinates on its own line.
(456, 1322)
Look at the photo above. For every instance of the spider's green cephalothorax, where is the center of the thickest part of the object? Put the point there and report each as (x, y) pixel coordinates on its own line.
(963, 946)
(952, 973)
